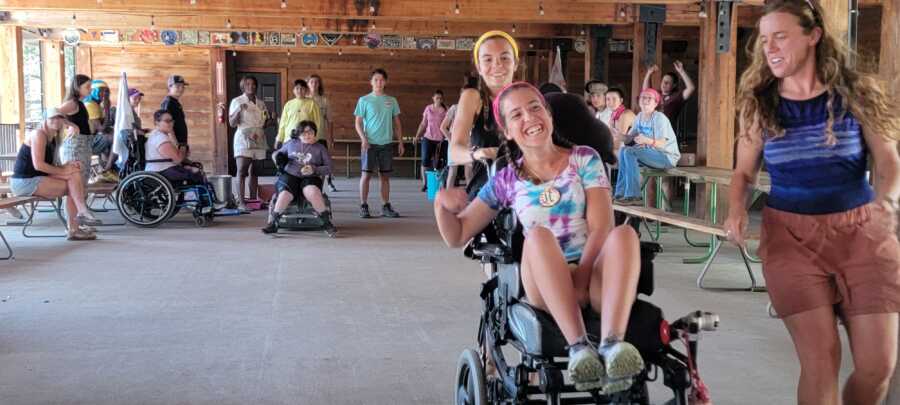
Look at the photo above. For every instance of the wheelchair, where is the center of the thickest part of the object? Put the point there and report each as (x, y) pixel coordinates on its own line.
(508, 322)
(299, 215)
(147, 199)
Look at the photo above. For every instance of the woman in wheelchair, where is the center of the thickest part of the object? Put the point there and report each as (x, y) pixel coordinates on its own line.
(573, 255)
(302, 163)
(164, 156)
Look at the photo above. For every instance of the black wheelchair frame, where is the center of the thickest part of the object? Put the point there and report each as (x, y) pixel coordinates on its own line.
(507, 320)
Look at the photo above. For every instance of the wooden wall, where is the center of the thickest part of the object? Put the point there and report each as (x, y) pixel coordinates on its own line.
(148, 69)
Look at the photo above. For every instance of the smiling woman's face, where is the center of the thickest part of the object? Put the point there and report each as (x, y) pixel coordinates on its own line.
(526, 119)
(784, 44)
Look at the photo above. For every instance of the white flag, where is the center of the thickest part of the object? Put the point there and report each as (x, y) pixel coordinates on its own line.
(124, 122)
(556, 74)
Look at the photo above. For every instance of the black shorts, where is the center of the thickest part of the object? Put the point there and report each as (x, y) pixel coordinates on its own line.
(378, 158)
(295, 185)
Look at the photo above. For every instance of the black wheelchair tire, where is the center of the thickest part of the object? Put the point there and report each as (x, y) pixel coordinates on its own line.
(470, 381)
(125, 197)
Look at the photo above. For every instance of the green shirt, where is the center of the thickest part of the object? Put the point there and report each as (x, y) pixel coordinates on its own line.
(378, 114)
(296, 111)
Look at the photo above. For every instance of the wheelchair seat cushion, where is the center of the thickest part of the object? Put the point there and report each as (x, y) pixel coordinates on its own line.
(540, 336)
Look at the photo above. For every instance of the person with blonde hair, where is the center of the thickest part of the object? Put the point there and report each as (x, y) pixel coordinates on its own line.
(829, 243)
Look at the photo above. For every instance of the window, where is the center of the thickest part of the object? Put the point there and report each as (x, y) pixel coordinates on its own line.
(70, 63)
(34, 90)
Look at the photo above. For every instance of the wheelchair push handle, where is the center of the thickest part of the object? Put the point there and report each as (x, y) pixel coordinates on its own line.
(697, 321)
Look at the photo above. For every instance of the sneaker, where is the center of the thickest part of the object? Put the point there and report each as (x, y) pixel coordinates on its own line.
(94, 179)
(15, 213)
(364, 211)
(387, 211)
(623, 361)
(585, 367)
(327, 226)
(331, 186)
(87, 228)
(272, 225)
(87, 219)
(109, 176)
(78, 234)
(242, 207)
(630, 201)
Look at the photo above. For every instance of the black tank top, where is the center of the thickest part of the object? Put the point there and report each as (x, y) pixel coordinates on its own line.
(24, 167)
(80, 119)
(484, 135)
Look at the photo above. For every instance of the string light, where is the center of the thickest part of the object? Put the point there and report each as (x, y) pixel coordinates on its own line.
(152, 22)
(283, 4)
(233, 52)
(443, 54)
(289, 53)
(541, 8)
(514, 29)
(73, 19)
(372, 9)
(530, 45)
(446, 31)
(303, 24)
(622, 11)
(373, 26)
(702, 13)
(456, 9)
(193, 2)
(341, 50)
(353, 41)
(228, 23)
(392, 53)
(582, 31)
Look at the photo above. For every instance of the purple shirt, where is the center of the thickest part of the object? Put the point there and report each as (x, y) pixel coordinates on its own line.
(301, 154)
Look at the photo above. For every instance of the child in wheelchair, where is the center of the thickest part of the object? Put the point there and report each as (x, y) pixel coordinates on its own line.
(302, 163)
(163, 155)
(573, 255)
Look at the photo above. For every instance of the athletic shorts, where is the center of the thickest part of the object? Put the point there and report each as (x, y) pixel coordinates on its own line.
(378, 158)
(849, 259)
(295, 185)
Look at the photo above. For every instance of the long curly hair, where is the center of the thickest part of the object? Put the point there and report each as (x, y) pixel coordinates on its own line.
(862, 94)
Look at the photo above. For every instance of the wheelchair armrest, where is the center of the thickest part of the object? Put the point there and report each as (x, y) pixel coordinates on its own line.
(487, 252)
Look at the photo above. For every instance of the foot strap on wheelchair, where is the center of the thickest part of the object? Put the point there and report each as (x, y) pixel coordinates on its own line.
(488, 287)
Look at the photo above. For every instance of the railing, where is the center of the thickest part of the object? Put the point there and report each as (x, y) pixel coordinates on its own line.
(8, 145)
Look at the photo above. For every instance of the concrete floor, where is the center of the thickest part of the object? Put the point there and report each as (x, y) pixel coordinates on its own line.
(227, 315)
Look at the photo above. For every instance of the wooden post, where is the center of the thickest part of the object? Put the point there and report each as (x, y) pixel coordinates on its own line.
(718, 77)
(12, 89)
(54, 73)
(639, 65)
(218, 71)
(889, 69)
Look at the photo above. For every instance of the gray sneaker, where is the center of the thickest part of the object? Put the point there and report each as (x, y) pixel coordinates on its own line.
(387, 211)
(585, 368)
(623, 361)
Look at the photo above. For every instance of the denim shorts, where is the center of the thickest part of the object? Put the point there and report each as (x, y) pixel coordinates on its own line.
(24, 187)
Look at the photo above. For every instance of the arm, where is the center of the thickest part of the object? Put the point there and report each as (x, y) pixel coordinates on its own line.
(445, 126)
(647, 76)
(887, 167)
(38, 144)
(466, 110)
(234, 113)
(326, 167)
(398, 132)
(749, 156)
(421, 129)
(69, 107)
(458, 222)
(688, 83)
(169, 151)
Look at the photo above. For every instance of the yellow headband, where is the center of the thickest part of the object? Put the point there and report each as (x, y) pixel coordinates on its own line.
(494, 34)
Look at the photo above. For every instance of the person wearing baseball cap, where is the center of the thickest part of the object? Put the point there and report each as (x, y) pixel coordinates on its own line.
(34, 174)
(650, 142)
(172, 105)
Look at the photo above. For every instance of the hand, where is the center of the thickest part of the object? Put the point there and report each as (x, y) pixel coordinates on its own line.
(453, 199)
(400, 148)
(485, 154)
(364, 145)
(307, 170)
(652, 69)
(678, 66)
(735, 228)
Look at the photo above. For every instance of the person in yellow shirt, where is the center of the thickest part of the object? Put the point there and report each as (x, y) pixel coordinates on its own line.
(97, 105)
(301, 108)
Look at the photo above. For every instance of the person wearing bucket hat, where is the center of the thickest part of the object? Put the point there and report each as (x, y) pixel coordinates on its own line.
(651, 142)
(595, 93)
(474, 137)
(35, 174)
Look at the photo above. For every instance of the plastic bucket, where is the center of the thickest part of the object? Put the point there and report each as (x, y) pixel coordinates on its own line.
(432, 183)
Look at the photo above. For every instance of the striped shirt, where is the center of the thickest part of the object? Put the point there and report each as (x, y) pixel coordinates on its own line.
(809, 177)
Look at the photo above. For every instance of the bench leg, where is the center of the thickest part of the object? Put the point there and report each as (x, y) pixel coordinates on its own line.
(754, 287)
(10, 255)
(30, 221)
(687, 213)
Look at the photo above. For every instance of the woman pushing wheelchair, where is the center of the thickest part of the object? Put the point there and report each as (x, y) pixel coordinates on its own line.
(302, 162)
(573, 255)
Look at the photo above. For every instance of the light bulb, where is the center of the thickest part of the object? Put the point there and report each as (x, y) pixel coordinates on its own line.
(541, 8)
(228, 23)
(443, 54)
(341, 50)
(371, 9)
(283, 4)
(233, 53)
(73, 18)
(193, 2)
(456, 10)
(514, 29)
(152, 21)
(353, 41)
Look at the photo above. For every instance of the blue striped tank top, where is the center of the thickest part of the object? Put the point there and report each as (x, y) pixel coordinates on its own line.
(809, 177)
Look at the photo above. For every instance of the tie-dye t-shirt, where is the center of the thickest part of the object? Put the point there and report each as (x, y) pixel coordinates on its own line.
(567, 218)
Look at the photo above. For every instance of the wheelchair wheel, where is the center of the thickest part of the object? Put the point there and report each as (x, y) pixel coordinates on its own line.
(470, 381)
(146, 199)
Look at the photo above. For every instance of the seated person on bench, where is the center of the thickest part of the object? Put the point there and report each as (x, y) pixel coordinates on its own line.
(573, 255)
(164, 156)
(35, 175)
(650, 142)
(304, 162)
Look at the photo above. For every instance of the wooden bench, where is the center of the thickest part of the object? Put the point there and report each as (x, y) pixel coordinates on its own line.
(699, 225)
(107, 190)
(11, 202)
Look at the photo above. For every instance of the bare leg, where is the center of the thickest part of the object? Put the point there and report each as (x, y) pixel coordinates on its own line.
(818, 347)
(364, 187)
(243, 167)
(548, 282)
(254, 178)
(873, 342)
(314, 196)
(284, 199)
(614, 280)
(385, 187)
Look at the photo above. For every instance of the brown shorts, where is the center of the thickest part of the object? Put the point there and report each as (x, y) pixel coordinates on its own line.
(850, 259)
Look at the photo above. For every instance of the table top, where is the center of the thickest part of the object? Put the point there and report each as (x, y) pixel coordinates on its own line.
(720, 176)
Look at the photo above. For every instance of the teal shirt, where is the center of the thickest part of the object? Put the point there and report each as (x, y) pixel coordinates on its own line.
(378, 114)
